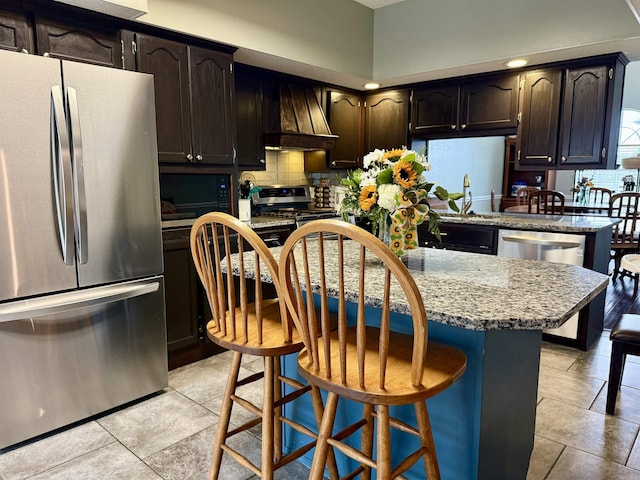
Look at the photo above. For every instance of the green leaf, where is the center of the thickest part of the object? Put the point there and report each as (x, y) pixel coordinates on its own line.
(453, 205)
(384, 177)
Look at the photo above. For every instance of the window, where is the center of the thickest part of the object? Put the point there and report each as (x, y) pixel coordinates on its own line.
(628, 146)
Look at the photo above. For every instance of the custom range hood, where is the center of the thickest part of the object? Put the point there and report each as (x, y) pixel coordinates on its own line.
(296, 120)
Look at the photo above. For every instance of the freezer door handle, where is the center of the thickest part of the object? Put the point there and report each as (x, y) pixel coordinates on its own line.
(64, 302)
(541, 242)
(80, 197)
(62, 175)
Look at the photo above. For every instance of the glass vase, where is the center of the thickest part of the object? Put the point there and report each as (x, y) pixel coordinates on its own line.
(583, 196)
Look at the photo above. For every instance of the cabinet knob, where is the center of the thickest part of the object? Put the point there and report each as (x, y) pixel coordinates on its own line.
(45, 54)
(189, 157)
(333, 164)
(564, 159)
(24, 50)
(262, 160)
(453, 127)
(549, 159)
(199, 157)
(463, 126)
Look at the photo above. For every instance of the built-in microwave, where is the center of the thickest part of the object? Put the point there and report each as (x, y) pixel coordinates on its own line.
(190, 195)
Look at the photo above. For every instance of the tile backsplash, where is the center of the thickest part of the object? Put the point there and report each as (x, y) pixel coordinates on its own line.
(286, 167)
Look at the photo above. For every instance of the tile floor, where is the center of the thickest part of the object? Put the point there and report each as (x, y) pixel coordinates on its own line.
(169, 435)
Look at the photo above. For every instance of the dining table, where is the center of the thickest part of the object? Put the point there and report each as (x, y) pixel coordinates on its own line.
(570, 208)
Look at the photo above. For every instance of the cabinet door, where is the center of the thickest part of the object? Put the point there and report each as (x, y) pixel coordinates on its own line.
(435, 110)
(168, 62)
(538, 128)
(181, 295)
(249, 122)
(583, 116)
(345, 112)
(100, 46)
(16, 32)
(211, 92)
(489, 104)
(387, 120)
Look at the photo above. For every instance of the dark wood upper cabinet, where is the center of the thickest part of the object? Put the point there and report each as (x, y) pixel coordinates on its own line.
(211, 106)
(452, 108)
(434, 109)
(489, 104)
(386, 120)
(538, 129)
(16, 32)
(193, 100)
(345, 114)
(571, 116)
(249, 119)
(90, 44)
(168, 62)
(583, 115)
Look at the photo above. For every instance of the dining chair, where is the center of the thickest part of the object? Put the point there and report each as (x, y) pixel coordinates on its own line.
(546, 202)
(256, 326)
(625, 339)
(364, 360)
(600, 195)
(625, 234)
(522, 195)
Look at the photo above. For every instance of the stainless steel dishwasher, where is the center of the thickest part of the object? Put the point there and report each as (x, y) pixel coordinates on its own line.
(549, 247)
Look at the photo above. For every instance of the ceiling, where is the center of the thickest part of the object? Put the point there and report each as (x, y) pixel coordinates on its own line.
(377, 3)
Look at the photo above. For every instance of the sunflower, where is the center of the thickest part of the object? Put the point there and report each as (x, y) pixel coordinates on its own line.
(404, 174)
(396, 153)
(368, 197)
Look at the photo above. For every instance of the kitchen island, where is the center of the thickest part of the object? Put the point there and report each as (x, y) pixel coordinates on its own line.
(494, 309)
(483, 234)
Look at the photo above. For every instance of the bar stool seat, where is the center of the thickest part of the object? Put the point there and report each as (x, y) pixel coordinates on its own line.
(631, 263)
(625, 338)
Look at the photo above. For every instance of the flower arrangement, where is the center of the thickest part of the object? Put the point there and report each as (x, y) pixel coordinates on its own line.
(391, 191)
(585, 182)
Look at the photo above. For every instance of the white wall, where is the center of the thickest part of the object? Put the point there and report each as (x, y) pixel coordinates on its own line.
(481, 158)
(332, 34)
(344, 42)
(417, 35)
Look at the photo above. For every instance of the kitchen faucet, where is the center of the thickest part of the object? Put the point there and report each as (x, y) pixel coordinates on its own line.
(466, 205)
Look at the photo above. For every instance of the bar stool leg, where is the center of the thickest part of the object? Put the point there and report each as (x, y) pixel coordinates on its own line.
(383, 460)
(615, 376)
(426, 438)
(367, 438)
(324, 433)
(267, 420)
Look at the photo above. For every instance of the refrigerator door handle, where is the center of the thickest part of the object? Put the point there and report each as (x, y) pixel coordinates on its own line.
(62, 175)
(65, 302)
(80, 197)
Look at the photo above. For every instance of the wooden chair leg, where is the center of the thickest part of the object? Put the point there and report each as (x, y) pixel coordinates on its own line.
(267, 420)
(426, 439)
(318, 410)
(277, 395)
(367, 438)
(225, 415)
(322, 447)
(615, 376)
(383, 451)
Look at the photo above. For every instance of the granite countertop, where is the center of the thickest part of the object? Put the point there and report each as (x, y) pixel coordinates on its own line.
(256, 222)
(520, 221)
(480, 292)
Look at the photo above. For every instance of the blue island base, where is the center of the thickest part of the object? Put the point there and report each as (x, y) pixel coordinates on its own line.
(483, 425)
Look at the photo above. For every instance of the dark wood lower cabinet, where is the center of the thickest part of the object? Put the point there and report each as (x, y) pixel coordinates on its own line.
(186, 306)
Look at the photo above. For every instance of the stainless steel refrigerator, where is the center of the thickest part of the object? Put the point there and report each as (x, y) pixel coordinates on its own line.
(82, 324)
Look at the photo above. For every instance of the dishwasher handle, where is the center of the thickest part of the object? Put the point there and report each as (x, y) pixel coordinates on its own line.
(541, 242)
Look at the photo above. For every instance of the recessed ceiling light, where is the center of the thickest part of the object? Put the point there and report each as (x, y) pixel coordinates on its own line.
(520, 62)
(371, 85)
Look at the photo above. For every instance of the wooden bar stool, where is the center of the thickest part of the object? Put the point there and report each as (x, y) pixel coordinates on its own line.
(625, 338)
(254, 327)
(366, 362)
